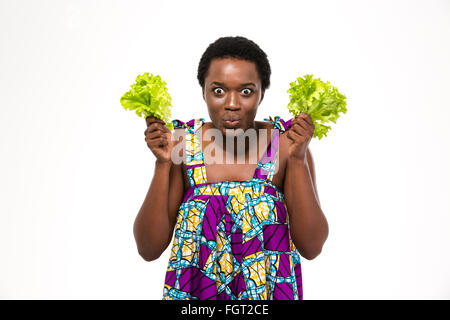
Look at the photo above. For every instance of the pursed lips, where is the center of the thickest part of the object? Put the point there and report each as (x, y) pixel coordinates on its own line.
(231, 118)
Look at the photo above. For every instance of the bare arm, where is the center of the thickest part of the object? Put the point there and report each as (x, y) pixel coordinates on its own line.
(312, 172)
(154, 224)
(308, 225)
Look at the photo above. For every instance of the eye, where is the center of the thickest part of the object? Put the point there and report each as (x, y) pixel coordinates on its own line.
(218, 91)
(247, 91)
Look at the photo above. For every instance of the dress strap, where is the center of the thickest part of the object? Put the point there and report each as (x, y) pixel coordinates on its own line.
(195, 164)
(266, 166)
(279, 123)
(177, 124)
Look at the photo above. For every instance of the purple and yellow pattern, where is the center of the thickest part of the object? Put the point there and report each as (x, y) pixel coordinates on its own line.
(231, 239)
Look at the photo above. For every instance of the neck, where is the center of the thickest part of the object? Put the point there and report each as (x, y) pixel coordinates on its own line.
(240, 145)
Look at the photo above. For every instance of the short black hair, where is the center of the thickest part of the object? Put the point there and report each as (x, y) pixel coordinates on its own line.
(235, 47)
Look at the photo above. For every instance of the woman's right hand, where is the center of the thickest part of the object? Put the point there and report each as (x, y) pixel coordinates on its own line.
(159, 139)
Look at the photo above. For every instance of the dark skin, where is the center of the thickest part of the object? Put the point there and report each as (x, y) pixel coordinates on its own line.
(232, 91)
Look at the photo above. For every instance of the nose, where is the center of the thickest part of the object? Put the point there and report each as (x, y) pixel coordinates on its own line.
(232, 102)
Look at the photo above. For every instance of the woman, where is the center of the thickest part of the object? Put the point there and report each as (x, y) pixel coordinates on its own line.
(233, 236)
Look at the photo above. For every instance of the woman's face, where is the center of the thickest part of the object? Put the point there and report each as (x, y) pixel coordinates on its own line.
(232, 93)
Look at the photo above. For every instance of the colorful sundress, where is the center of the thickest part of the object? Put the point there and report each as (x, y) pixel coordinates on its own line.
(231, 238)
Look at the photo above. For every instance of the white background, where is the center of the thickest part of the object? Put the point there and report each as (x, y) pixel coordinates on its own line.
(75, 167)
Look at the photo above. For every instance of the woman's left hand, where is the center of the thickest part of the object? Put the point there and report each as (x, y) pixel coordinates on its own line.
(300, 134)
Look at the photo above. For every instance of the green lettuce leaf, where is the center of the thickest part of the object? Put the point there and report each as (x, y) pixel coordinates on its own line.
(149, 97)
(320, 100)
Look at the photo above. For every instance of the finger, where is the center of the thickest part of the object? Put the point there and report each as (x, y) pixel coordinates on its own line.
(294, 122)
(298, 129)
(164, 127)
(301, 116)
(295, 137)
(289, 135)
(155, 126)
(301, 131)
(309, 125)
(159, 126)
(307, 117)
(309, 128)
(157, 142)
(149, 120)
(158, 122)
(150, 130)
(155, 134)
(303, 123)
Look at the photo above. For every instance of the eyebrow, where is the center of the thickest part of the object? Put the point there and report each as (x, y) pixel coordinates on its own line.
(242, 85)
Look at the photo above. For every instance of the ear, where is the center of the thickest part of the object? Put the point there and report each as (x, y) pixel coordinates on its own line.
(203, 94)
